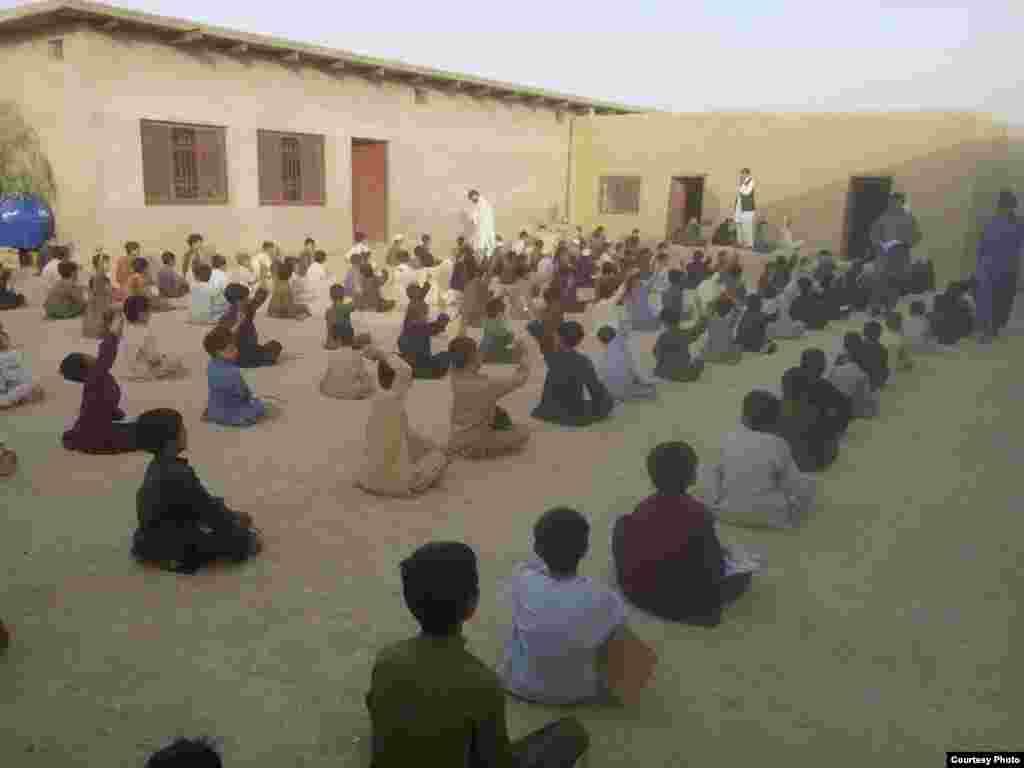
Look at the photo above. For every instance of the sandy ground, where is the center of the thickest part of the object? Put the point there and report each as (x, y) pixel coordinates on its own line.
(880, 631)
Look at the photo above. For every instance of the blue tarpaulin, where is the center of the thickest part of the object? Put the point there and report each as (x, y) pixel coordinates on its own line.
(25, 222)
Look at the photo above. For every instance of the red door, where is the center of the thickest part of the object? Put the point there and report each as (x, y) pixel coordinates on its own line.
(370, 189)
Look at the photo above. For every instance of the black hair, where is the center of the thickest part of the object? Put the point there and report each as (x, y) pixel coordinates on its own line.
(267, 245)
(67, 269)
(918, 308)
(670, 317)
(74, 367)
(168, 258)
(156, 428)
(217, 340)
(675, 277)
(560, 538)
(309, 240)
(135, 307)
(139, 265)
(805, 285)
(440, 585)
(761, 410)
(130, 246)
(571, 333)
(795, 384)
(605, 334)
(319, 257)
(186, 753)
(462, 350)
(494, 307)
(852, 342)
(194, 238)
(203, 272)
(219, 261)
(236, 292)
(672, 467)
(753, 303)
(872, 330)
(814, 359)
(337, 292)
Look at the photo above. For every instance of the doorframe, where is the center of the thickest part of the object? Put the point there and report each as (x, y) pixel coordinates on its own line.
(847, 214)
(703, 177)
(353, 140)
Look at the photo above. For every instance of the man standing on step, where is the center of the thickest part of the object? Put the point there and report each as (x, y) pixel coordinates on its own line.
(893, 236)
(745, 210)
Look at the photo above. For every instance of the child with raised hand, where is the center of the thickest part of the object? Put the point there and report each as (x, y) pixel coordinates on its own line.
(242, 318)
(231, 402)
(668, 558)
(101, 426)
(181, 526)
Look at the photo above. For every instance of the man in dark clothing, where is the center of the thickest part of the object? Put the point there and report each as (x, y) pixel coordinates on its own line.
(569, 374)
(432, 701)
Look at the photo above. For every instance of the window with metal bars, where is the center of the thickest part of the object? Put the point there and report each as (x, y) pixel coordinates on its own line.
(291, 169)
(186, 176)
(183, 164)
(619, 194)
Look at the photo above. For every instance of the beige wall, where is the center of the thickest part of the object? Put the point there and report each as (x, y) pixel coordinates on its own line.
(803, 163)
(517, 156)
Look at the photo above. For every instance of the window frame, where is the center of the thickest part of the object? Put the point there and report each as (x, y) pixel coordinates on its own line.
(603, 199)
(199, 148)
(309, 144)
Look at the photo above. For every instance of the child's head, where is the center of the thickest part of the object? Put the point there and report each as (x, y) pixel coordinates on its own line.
(441, 586)
(463, 352)
(495, 307)
(872, 330)
(131, 248)
(136, 309)
(605, 334)
(203, 273)
(672, 467)
(67, 269)
(168, 258)
(697, 256)
(570, 334)
(852, 342)
(894, 321)
(268, 247)
(220, 343)
(75, 367)
(761, 410)
(560, 538)
(675, 277)
(162, 431)
(917, 308)
(814, 361)
(805, 285)
(100, 261)
(236, 292)
(218, 261)
(310, 243)
(186, 753)
(140, 265)
(670, 318)
(796, 384)
(194, 241)
(319, 257)
(753, 303)
(337, 292)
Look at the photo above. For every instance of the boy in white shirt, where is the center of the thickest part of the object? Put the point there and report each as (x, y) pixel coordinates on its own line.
(206, 305)
(218, 274)
(561, 621)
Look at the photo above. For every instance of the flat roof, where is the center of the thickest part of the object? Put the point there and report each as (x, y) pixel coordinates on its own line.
(35, 16)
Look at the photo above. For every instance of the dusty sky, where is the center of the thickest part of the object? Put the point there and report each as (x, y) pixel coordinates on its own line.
(740, 55)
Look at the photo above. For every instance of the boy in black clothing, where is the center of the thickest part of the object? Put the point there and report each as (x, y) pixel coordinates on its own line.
(181, 526)
(806, 428)
(951, 319)
(809, 308)
(836, 408)
(875, 355)
(752, 332)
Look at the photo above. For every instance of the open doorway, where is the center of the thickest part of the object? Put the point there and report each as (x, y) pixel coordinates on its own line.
(370, 189)
(685, 203)
(865, 202)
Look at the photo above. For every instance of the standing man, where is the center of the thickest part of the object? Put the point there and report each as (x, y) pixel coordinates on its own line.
(484, 237)
(893, 235)
(745, 210)
(999, 254)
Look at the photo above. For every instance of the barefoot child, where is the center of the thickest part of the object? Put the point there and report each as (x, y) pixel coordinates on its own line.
(181, 526)
(231, 402)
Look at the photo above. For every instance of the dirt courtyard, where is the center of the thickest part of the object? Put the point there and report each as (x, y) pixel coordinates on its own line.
(879, 634)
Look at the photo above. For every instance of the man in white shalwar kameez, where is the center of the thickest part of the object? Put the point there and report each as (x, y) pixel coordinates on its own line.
(484, 235)
(745, 210)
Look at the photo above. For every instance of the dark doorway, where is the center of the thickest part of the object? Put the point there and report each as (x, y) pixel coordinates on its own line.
(866, 201)
(370, 189)
(685, 202)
